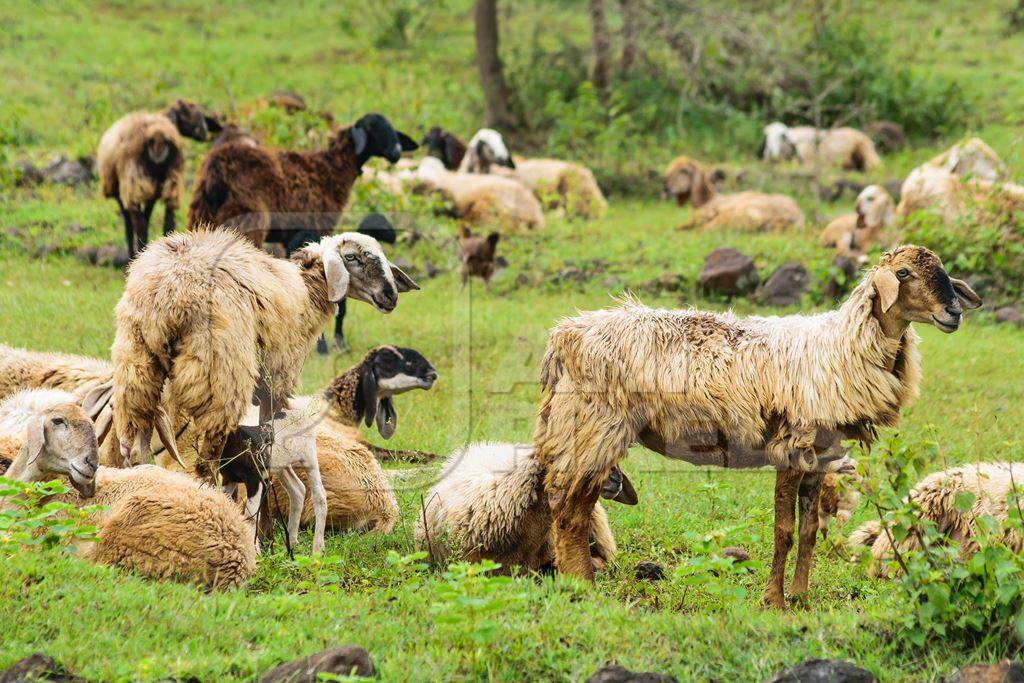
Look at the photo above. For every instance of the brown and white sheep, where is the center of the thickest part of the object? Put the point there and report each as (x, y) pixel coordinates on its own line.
(223, 323)
(843, 147)
(271, 195)
(853, 233)
(715, 389)
(489, 503)
(141, 160)
(686, 180)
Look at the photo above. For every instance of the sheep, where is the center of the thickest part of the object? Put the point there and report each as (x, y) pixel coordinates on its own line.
(687, 180)
(970, 170)
(270, 195)
(853, 233)
(715, 389)
(934, 499)
(44, 435)
(486, 149)
(222, 322)
(445, 146)
(971, 158)
(844, 147)
(477, 256)
(561, 186)
(489, 503)
(141, 160)
(837, 499)
(481, 199)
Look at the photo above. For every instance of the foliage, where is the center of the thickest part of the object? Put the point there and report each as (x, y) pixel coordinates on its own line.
(303, 129)
(711, 571)
(471, 600)
(31, 522)
(395, 23)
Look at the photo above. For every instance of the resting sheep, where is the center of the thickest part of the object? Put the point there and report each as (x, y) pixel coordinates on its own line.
(935, 500)
(715, 389)
(271, 195)
(489, 503)
(141, 160)
(222, 323)
(561, 186)
(853, 233)
(486, 150)
(686, 180)
(844, 147)
(445, 146)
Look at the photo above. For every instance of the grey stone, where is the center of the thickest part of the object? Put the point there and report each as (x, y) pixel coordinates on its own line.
(824, 671)
(785, 286)
(341, 661)
(614, 673)
(729, 272)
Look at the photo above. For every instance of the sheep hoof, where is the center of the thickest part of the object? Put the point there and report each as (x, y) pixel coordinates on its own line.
(321, 346)
(340, 344)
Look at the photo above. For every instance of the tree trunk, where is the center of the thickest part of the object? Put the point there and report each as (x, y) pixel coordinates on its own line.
(602, 47)
(629, 30)
(492, 79)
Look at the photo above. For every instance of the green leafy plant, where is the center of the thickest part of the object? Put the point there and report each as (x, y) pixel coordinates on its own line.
(29, 522)
(709, 570)
(471, 600)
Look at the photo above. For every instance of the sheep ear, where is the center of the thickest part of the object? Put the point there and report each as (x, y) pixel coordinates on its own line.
(403, 282)
(966, 295)
(449, 152)
(493, 238)
(213, 125)
(369, 385)
(97, 399)
(408, 144)
(359, 139)
(336, 274)
(888, 287)
(35, 438)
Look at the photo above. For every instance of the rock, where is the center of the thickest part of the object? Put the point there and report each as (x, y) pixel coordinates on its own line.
(349, 660)
(28, 174)
(112, 256)
(501, 261)
(37, 667)
(888, 136)
(620, 674)
(842, 276)
(1003, 672)
(1012, 314)
(729, 272)
(611, 282)
(736, 553)
(432, 270)
(87, 254)
(825, 671)
(63, 171)
(666, 282)
(785, 286)
(649, 571)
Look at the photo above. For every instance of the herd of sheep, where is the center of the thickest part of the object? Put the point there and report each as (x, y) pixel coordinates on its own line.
(198, 400)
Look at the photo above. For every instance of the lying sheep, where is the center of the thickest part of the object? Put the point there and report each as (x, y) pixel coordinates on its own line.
(935, 500)
(223, 323)
(853, 233)
(141, 160)
(843, 147)
(715, 389)
(489, 503)
(481, 199)
(561, 186)
(445, 146)
(485, 151)
(686, 180)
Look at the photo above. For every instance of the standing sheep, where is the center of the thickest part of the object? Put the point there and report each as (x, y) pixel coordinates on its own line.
(686, 180)
(477, 256)
(715, 389)
(141, 159)
(223, 323)
(853, 233)
(272, 195)
(844, 147)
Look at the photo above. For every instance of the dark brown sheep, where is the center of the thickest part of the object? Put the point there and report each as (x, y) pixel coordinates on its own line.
(445, 146)
(271, 195)
(478, 256)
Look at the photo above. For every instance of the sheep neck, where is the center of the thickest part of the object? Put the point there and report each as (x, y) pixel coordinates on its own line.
(341, 157)
(344, 395)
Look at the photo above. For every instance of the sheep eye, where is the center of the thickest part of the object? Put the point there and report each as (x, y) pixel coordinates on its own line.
(58, 422)
(903, 273)
(351, 258)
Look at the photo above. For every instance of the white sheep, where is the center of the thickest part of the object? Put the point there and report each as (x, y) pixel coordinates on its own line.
(844, 147)
(686, 180)
(486, 149)
(489, 502)
(715, 389)
(853, 233)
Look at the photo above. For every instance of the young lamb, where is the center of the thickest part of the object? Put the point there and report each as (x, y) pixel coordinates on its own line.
(489, 503)
(853, 233)
(141, 159)
(686, 180)
(844, 147)
(477, 256)
(485, 150)
(44, 435)
(715, 389)
(481, 199)
(935, 500)
(272, 195)
(445, 146)
(223, 323)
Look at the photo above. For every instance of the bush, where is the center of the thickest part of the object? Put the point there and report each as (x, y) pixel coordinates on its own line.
(30, 522)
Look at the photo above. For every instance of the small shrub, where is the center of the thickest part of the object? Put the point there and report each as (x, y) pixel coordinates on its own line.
(31, 523)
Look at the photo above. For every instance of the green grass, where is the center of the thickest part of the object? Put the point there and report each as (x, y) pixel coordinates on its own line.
(98, 61)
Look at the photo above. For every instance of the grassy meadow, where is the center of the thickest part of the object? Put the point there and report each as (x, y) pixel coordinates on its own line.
(74, 67)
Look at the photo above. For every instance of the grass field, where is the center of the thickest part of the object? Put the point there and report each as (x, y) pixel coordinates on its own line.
(71, 72)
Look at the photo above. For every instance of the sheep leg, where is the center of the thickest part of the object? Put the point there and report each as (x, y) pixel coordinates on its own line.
(571, 513)
(129, 230)
(786, 484)
(809, 494)
(339, 327)
(296, 497)
(319, 499)
(169, 220)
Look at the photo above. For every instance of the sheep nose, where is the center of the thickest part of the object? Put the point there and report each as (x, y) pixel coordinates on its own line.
(954, 310)
(432, 375)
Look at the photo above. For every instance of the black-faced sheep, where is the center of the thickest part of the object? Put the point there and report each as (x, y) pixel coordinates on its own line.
(272, 195)
(141, 160)
(843, 147)
(686, 180)
(222, 323)
(715, 389)
(445, 146)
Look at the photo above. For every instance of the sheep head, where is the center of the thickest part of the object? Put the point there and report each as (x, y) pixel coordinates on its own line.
(912, 286)
(374, 136)
(445, 146)
(487, 148)
(874, 207)
(62, 441)
(687, 181)
(776, 143)
(355, 266)
(386, 372)
(191, 121)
